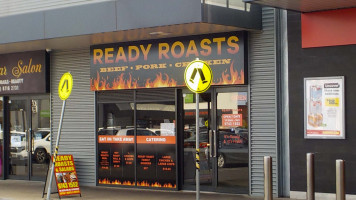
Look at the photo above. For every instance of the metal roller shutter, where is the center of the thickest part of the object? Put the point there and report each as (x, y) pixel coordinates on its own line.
(78, 129)
(263, 102)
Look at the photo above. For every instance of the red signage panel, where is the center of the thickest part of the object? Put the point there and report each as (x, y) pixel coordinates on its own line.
(66, 175)
(329, 28)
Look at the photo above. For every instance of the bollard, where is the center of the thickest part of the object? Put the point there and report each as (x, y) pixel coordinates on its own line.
(268, 177)
(340, 180)
(310, 177)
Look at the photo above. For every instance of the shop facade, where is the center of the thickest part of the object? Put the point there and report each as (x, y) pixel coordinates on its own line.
(334, 137)
(320, 60)
(130, 120)
(25, 124)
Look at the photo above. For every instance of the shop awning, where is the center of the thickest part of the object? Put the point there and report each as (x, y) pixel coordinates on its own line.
(306, 5)
(124, 21)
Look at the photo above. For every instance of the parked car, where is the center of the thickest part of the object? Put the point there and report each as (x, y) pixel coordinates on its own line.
(232, 146)
(42, 146)
(18, 146)
(139, 132)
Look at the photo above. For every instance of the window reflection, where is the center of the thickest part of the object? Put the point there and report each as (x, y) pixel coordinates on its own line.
(116, 144)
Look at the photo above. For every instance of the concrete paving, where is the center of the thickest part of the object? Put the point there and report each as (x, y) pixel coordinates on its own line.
(32, 190)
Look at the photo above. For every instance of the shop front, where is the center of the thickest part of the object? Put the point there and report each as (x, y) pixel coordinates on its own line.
(25, 116)
(146, 116)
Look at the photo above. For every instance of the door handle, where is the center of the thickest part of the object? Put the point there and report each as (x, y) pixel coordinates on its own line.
(29, 140)
(210, 143)
(215, 141)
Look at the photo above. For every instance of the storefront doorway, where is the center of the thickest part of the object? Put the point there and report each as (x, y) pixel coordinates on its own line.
(223, 127)
(29, 137)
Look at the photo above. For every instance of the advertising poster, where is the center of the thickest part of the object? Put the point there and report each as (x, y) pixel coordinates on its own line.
(161, 63)
(324, 108)
(66, 175)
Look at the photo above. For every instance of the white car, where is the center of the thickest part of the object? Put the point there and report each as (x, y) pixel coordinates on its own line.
(42, 146)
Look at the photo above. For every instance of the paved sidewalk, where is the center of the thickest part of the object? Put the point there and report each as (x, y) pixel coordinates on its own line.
(32, 190)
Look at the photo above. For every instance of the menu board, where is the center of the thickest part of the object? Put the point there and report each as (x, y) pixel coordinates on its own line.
(324, 111)
(156, 161)
(66, 175)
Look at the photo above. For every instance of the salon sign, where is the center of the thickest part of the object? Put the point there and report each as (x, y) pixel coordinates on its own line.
(23, 73)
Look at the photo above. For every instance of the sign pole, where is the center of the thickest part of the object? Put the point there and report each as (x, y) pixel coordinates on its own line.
(198, 78)
(55, 152)
(64, 90)
(197, 174)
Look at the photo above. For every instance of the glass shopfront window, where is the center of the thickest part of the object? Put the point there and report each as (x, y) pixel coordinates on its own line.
(116, 144)
(156, 144)
(136, 139)
(1, 136)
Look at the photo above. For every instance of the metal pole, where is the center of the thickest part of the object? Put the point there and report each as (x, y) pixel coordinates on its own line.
(55, 152)
(340, 180)
(268, 177)
(310, 177)
(197, 175)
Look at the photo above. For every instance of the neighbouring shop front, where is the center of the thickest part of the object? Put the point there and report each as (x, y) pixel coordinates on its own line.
(25, 115)
(145, 117)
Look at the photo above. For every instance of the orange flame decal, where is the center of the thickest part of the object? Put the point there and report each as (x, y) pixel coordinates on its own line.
(115, 182)
(101, 83)
(160, 82)
(156, 184)
(142, 184)
(231, 77)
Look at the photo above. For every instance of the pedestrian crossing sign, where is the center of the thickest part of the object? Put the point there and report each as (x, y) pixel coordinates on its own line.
(198, 76)
(65, 86)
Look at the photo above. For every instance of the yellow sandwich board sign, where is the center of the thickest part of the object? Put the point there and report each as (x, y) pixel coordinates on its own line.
(198, 76)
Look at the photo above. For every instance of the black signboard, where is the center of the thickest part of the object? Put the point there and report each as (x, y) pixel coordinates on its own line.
(161, 63)
(23, 73)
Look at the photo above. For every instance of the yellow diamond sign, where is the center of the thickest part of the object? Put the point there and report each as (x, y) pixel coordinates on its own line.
(198, 76)
(65, 86)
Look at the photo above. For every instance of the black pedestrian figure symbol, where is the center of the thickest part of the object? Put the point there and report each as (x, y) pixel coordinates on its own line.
(195, 73)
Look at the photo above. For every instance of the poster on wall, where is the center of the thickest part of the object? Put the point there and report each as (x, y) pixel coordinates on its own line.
(324, 108)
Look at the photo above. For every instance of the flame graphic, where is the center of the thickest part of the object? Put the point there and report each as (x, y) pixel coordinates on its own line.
(142, 184)
(231, 77)
(160, 82)
(156, 184)
(101, 83)
(115, 182)
(117, 83)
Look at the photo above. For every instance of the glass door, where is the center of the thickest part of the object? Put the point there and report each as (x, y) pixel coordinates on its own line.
(29, 137)
(223, 135)
(19, 139)
(40, 138)
(231, 129)
(207, 161)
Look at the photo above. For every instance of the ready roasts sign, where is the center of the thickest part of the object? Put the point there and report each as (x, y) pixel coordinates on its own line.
(161, 63)
(23, 73)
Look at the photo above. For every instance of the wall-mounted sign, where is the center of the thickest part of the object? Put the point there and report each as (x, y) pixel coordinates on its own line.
(23, 73)
(324, 110)
(161, 63)
(66, 175)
